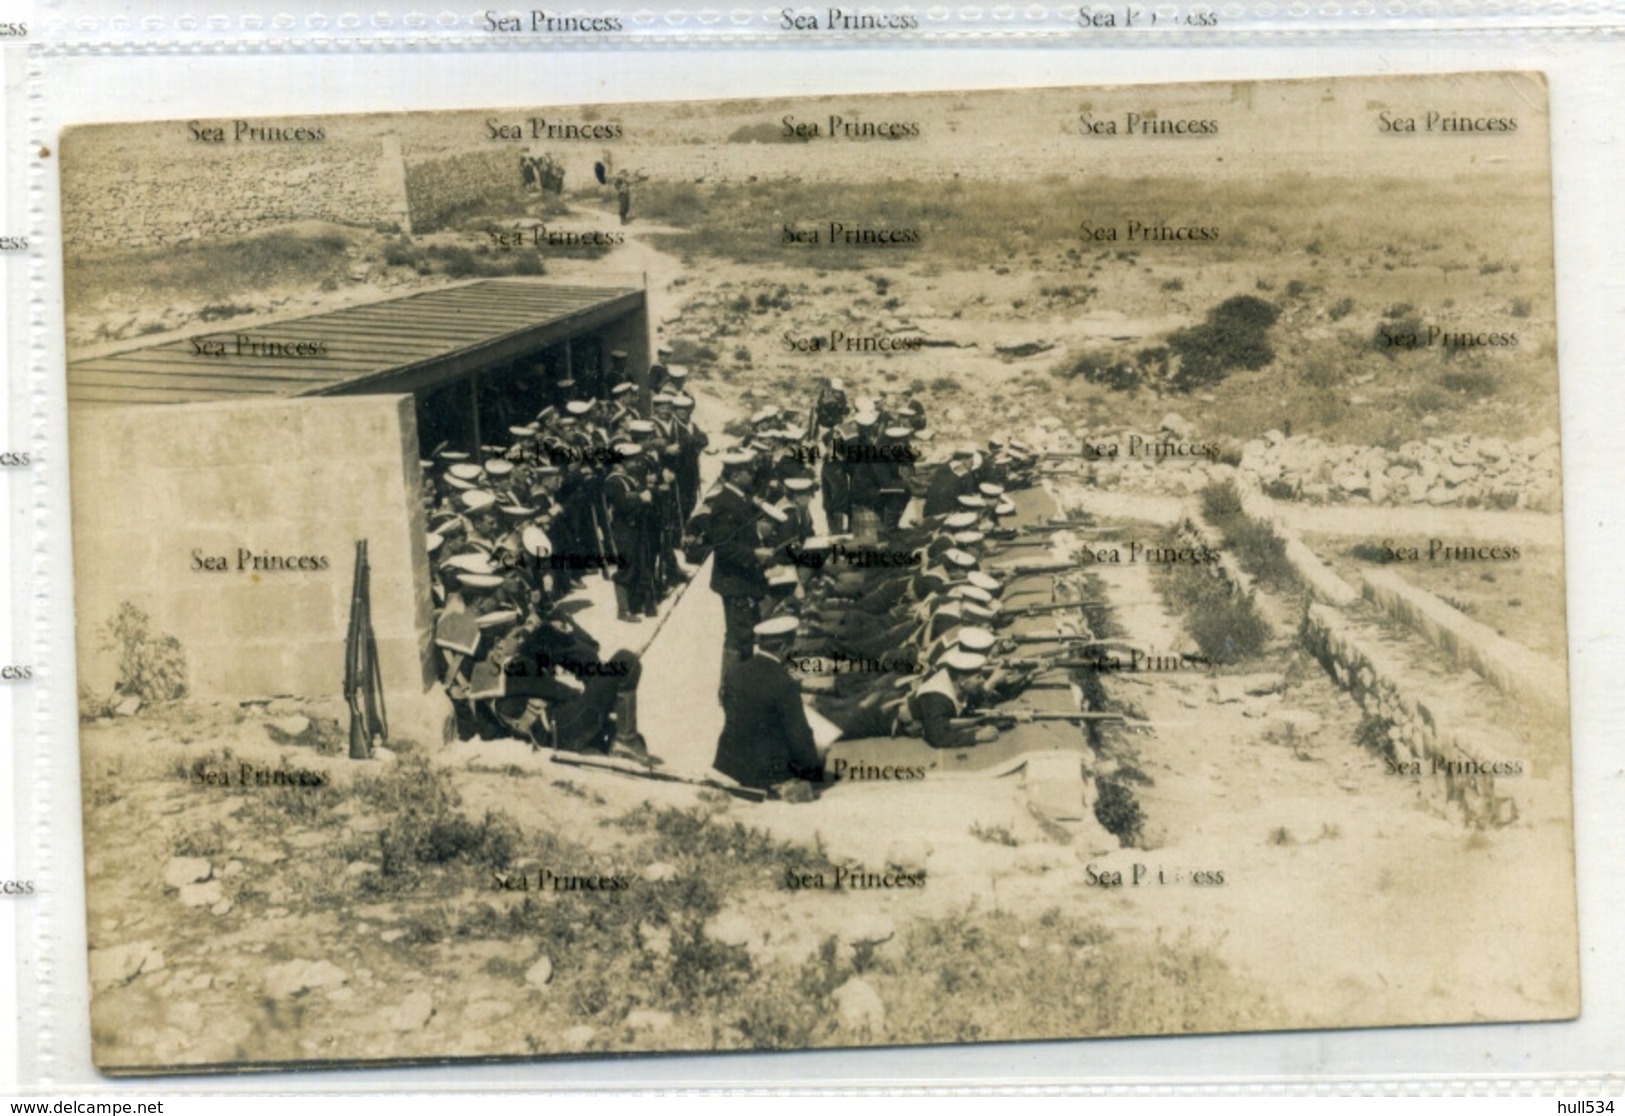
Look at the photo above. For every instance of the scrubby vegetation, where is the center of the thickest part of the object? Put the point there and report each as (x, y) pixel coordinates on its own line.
(1259, 550)
(151, 665)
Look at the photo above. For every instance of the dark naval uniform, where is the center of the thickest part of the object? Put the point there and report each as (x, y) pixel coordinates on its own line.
(765, 738)
(735, 575)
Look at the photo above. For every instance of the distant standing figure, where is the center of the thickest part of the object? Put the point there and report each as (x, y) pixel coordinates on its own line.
(623, 195)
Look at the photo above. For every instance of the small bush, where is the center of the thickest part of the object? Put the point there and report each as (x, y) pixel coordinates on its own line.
(151, 666)
(1232, 337)
(1118, 812)
(401, 253)
(764, 133)
(1476, 383)
(1340, 309)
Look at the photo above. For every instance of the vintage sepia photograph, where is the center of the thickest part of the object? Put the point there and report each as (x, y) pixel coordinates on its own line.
(876, 570)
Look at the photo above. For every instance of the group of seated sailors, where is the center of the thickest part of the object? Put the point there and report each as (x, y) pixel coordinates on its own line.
(589, 488)
(889, 629)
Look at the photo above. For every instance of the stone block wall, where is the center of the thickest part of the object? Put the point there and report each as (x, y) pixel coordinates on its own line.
(160, 492)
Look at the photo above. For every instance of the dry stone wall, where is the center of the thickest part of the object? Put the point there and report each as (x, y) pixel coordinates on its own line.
(148, 203)
(438, 189)
(1411, 726)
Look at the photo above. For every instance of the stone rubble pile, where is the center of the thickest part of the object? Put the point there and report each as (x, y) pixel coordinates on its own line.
(1462, 470)
(1459, 471)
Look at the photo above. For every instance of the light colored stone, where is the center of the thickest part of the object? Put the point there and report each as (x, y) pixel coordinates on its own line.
(654, 939)
(201, 894)
(119, 965)
(648, 1019)
(860, 1006)
(183, 870)
(486, 1011)
(293, 977)
(577, 1038)
(288, 727)
(412, 1013)
(731, 928)
(540, 972)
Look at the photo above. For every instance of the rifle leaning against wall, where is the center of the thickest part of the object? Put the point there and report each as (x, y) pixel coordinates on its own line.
(363, 675)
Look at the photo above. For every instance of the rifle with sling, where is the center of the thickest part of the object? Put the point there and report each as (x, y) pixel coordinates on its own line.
(572, 759)
(1002, 720)
(1045, 609)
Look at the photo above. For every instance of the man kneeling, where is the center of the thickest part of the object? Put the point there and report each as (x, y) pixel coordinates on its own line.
(766, 741)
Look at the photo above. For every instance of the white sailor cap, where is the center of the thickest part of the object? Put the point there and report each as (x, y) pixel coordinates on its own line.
(628, 449)
(517, 511)
(526, 431)
(578, 406)
(838, 384)
(465, 470)
(898, 431)
(662, 399)
(972, 501)
(983, 581)
(972, 611)
(976, 639)
(988, 488)
(971, 592)
(782, 575)
(477, 499)
(960, 520)
(682, 400)
(641, 426)
(458, 483)
(1004, 507)
(469, 563)
(766, 414)
(960, 659)
(959, 557)
(777, 627)
(816, 542)
(866, 418)
(498, 467)
(535, 541)
(738, 457)
(432, 541)
(677, 371)
(622, 388)
(499, 618)
(453, 455)
(968, 538)
(799, 484)
(478, 581)
(774, 512)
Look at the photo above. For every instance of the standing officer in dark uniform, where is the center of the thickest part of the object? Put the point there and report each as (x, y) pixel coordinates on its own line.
(766, 741)
(738, 556)
(631, 518)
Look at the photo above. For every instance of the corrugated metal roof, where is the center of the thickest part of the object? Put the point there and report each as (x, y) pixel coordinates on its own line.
(399, 344)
